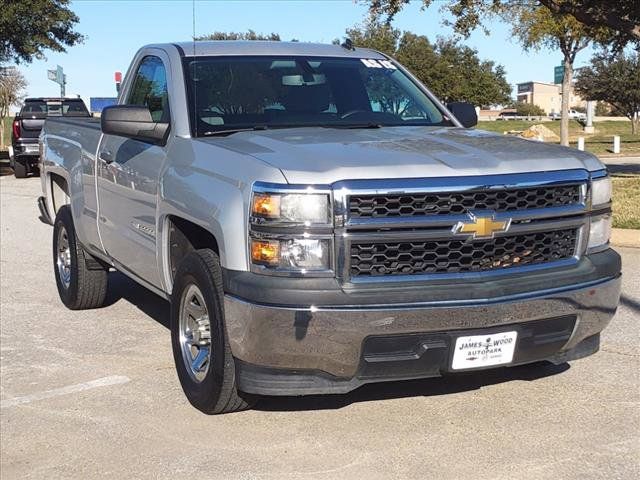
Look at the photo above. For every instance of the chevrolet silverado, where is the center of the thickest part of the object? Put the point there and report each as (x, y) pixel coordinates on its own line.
(319, 220)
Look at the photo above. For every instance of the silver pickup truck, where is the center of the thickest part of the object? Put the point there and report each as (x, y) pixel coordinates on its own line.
(319, 220)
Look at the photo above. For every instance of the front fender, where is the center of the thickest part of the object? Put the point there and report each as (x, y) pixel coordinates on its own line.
(210, 187)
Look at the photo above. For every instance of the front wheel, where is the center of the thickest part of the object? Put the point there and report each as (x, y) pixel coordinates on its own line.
(200, 346)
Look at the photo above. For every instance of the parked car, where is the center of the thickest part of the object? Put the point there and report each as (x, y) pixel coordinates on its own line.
(508, 115)
(573, 115)
(318, 220)
(28, 123)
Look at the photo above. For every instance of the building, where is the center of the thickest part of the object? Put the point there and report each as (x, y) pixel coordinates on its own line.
(547, 96)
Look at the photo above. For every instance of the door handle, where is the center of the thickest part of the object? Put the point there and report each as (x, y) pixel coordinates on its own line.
(106, 155)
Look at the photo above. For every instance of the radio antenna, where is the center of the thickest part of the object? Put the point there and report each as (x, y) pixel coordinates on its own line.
(192, 68)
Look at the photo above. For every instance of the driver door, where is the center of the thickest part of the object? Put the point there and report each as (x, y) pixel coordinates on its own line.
(128, 177)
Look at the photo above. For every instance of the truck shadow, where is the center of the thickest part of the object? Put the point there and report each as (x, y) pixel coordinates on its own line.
(625, 168)
(123, 288)
(458, 383)
(630, 303)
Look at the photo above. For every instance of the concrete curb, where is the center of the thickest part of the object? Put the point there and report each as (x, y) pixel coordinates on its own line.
(622, 237)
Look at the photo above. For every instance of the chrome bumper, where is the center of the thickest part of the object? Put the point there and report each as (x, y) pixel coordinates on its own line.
(329, 340)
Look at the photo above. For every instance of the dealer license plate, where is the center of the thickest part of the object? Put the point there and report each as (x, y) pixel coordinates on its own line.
(484, 350)
(31, 148)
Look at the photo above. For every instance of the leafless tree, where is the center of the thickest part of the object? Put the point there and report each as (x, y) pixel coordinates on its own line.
(12, 85)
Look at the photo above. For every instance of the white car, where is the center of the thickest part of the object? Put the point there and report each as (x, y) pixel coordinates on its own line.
(573, 115)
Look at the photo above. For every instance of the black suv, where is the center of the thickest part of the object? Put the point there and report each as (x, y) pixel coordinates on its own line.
(28, 123)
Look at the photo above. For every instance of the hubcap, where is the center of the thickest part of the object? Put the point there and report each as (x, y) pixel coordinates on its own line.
(195, 333)
(63, 260)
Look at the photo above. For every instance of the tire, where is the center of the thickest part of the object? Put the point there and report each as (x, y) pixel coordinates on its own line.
(20, 169)
(197, 304)
(80, 278)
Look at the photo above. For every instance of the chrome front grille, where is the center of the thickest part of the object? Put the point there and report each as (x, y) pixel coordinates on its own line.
(409, 230)
(451, 203)
(459, 256)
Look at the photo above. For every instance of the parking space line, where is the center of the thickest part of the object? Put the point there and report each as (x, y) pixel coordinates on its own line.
(56, 392)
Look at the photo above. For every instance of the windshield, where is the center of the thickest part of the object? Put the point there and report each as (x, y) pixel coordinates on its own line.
(227, 93)
(53, 108)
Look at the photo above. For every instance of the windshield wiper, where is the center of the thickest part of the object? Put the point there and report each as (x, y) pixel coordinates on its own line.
(231, 131)
(354, 125)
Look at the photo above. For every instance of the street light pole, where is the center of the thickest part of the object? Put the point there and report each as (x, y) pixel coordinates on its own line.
(589, 128)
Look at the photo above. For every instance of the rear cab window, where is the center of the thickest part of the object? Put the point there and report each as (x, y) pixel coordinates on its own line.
(54, 108)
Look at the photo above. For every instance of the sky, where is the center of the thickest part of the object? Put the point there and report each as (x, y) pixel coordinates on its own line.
(115, 30)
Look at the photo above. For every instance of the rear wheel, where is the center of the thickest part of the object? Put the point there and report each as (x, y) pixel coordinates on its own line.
(201, 349)
(20, 168)
(80, 278)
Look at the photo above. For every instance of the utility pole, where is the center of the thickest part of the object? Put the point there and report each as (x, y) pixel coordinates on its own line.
(589, 128)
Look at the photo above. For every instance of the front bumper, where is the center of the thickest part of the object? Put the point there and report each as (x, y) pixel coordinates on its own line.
(295, 350)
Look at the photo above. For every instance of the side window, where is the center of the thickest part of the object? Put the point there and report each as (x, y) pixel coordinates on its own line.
(150, 89)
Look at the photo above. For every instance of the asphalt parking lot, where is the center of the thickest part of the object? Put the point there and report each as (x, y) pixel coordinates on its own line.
(94, 394)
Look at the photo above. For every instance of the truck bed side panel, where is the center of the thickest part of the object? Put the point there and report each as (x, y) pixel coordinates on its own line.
(69, 151)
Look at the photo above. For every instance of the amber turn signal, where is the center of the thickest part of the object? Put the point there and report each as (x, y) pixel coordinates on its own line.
(265, 252)
(265, 205)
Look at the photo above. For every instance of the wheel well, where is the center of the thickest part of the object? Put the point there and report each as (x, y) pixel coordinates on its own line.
(184, 237)
(59, 192)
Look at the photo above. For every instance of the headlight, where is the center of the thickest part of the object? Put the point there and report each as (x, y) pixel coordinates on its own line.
(601, 191)
(291, 230)
(300, 208)
(599, 232)
(296, 254)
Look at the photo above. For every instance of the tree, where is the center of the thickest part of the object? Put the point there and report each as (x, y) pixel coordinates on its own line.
(29, 27)
(452, 71)
(621, 17)
(375, 35)
(566, 25)
(536, 27)
(12, 85)
(249, 35)
(615, 81)
(464, 77)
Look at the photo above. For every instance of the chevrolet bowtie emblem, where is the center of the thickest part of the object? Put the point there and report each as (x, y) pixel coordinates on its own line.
(481, 225)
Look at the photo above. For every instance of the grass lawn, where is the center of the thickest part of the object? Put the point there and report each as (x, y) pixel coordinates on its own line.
(626, 201)
(599, 143)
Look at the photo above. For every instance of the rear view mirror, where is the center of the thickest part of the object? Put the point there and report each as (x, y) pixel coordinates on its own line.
(464, 112)
(133, 121)
(300, 80)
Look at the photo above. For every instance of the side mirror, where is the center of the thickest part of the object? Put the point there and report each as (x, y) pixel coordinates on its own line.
(135, 122)
(464, 112)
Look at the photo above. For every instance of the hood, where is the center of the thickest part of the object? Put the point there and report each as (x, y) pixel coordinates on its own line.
(324, 155)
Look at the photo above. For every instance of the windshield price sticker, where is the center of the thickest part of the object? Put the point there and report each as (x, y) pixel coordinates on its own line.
(372, 63)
